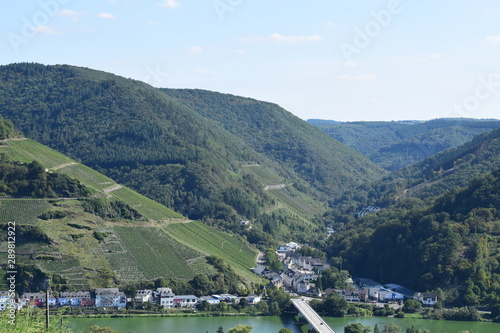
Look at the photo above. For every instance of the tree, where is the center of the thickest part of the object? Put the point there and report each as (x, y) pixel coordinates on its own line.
(222, 307)
(411, 306)
(391, 328)
(285, 330)
(97, 329)
(376, 329)
(241, 329)
(220, 330)
(357, 328)
(412, 329)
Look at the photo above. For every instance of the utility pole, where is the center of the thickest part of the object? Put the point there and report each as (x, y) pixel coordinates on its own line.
(47, 319)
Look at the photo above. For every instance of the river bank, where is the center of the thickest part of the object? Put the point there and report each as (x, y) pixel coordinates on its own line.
(268, 324)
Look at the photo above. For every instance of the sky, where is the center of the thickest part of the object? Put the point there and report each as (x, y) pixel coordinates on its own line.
(345, 60)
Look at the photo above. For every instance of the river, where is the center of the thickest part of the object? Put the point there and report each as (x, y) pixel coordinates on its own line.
(267, 324)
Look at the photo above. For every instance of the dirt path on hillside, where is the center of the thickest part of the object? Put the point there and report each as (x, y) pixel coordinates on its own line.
(60, 166)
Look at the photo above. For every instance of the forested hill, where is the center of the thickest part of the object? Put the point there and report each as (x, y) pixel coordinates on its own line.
(454, 167)
(452, 244)
(178, 151)
(396, 144)
(326, 164)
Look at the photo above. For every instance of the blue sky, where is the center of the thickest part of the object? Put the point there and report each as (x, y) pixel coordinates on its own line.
(330, 59)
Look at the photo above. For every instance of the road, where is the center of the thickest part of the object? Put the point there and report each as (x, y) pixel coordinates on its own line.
(311, 316)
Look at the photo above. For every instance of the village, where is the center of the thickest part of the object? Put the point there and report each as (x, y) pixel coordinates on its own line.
(297, 278)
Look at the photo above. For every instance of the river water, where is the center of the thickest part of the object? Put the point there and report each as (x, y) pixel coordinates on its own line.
(267, 324)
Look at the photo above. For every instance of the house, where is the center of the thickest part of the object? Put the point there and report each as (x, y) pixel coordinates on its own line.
(143, 296)
(407, 293)
(259, 269)
(110, 297)
(75, 298)
(303, 286)
(372, 286)
(226, 298)
(314, 291)
(254, 299)
(164, 297)
(285, 248)
(4, 300)
(37, 299)
(209, 300)
(386, 295)
(355, 295)
(427, 299)
(185, 301)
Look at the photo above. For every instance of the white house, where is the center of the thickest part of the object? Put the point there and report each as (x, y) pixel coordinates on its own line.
(110, 297)
(428, 299)
(303, 286)
(164, 297)
(144, 296)
(4, 300)
(185, 301)
(254, 299)
(75, 298)
(210, 300)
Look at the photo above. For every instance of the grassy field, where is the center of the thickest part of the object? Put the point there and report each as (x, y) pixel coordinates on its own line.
(296, 201)
(29, 150)
(147, 207)
(264, 175)
(132, 250)
(22, 211)
(152, 253)
(231, 248)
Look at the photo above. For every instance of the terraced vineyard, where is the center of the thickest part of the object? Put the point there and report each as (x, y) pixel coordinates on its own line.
(264, 175)
(295, 201)
(29, 150)
(22, 211)
(150, 253)
(231, 248)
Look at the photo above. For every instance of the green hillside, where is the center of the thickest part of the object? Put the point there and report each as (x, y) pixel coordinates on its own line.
(452, 244)
(106, 236)
(210, 241)
(187, 149)
(442, 172)
(28, 150)
(394, 145)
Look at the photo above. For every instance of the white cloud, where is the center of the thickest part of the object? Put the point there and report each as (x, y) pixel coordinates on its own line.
(282, 38)
(196, 49)
(360, 77)
(350, 64)
(204, 71)
(169, 4)
(156, 24)
(46, 30)
(73, 15)
(106, 16)
(240, 51)
(495, 39)
(375, 101)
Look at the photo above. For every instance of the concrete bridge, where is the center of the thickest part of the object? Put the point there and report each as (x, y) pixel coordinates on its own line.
(311, 316)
